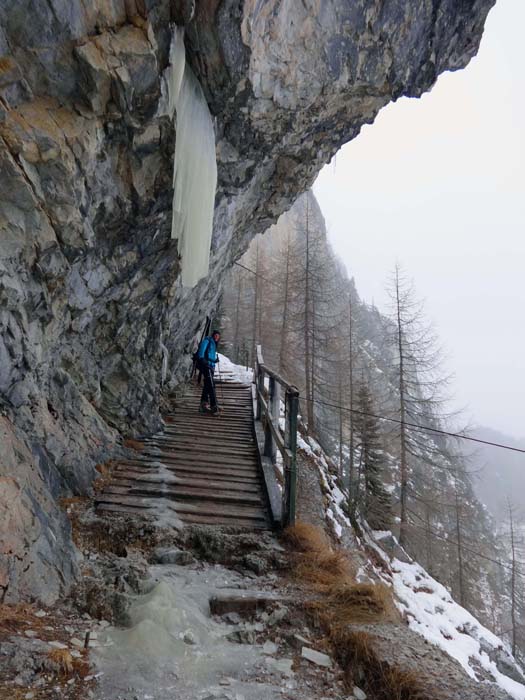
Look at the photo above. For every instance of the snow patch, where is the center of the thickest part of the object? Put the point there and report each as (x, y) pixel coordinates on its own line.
(237, 373)
(434, 614)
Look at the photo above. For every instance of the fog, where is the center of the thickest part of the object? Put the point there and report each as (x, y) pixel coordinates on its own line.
(438, 185)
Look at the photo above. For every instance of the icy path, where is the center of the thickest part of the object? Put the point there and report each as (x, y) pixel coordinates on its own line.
(173, 648)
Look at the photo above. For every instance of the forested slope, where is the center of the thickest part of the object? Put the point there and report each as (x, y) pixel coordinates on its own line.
(292, 295)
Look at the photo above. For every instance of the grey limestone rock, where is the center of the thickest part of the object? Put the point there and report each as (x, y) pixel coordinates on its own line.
(316, 657)
(181, 557)
(503, 660)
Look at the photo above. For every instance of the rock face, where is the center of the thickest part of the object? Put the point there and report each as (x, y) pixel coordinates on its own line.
(90, 295)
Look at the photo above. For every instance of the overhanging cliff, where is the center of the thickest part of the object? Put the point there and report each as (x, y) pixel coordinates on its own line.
(90, 294)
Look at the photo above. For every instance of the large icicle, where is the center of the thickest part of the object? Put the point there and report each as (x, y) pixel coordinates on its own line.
(194, 168)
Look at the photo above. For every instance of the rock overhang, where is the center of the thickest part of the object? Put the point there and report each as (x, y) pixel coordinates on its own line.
(89, 278)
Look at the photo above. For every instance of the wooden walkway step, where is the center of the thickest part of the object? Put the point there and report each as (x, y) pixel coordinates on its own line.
(199, 469)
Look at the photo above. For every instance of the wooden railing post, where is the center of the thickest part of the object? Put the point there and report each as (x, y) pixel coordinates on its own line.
(274, 409)
(259, 380)
(290, 471)
(270, 438)
(269, 443)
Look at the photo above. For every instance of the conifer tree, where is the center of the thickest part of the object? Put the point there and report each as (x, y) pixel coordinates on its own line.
(421, 387)
(375, 501)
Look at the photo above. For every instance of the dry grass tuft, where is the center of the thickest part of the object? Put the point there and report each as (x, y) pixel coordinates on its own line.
(316, 562)
(6, 63)
(8, 692)
(133, 444)
(61, 661)
(324, 570)
(355, 653)
(106, 474)
(344, 603)
(304, 537)
(14, 618)
(361, 603)
(70, 501)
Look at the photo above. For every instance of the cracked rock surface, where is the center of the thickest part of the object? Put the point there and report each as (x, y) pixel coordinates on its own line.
(90, 293)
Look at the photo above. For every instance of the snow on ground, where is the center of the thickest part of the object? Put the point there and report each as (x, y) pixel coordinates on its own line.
(432, 612)
(238, 373)
(427, 605)
(334, 514)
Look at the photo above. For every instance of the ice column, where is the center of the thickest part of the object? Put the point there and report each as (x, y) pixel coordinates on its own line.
(194, 168)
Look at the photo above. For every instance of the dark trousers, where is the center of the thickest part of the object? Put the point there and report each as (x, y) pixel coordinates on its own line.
(208, 391)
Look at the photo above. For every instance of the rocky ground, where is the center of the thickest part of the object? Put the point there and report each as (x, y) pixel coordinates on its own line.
(202, 614)
(159, 614)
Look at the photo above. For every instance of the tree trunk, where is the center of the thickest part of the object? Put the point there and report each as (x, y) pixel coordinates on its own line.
(307, 337)
(284, 326)
(340, 402)
(428, 541)
(402, 411)
(513, 580)
(237, 315)
(351, 446)
(461, 582)
(255, 306)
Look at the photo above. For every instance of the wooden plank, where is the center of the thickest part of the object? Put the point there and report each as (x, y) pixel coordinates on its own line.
(202, 437)
(134, 510)
(197, 423)
(211, 423)
(273, 491)
(206, 471)
(202, 446)
(130, 478)
(215, 419)
(188, 479)
(187, 445)
(244, 602)
(211, 429)
(231, 412)
(235, 466)
(189, 458)
(193, 518)
(173, 491)
(184, 454)
(219, 426)
(277, 436)
(207, 507)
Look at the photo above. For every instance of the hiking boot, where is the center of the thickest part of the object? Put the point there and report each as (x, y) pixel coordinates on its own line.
(214, 410)
(204, 408)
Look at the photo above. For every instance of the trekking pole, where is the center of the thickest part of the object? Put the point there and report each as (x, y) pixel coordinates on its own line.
(220, 382)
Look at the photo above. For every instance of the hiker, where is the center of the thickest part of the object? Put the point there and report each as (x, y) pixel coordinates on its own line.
(207, 358)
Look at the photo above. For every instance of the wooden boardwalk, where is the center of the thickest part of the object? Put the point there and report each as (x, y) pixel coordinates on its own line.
(198, 469)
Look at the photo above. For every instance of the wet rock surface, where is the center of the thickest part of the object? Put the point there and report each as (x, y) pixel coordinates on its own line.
(135, 628)
(439, 676)
(91, 303)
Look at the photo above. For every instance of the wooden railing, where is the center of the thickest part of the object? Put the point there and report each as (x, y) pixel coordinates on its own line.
(268, 403)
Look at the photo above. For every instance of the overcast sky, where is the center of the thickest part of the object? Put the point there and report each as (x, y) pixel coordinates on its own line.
(438, 184)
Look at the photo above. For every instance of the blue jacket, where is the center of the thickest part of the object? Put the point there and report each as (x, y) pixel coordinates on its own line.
(207, 351)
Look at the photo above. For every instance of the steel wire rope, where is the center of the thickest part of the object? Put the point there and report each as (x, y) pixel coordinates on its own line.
(418, 428)
(466, 549)
(414, 426)
(411, 426)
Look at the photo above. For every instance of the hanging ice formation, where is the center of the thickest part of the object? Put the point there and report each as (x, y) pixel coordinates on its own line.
(195, 165)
